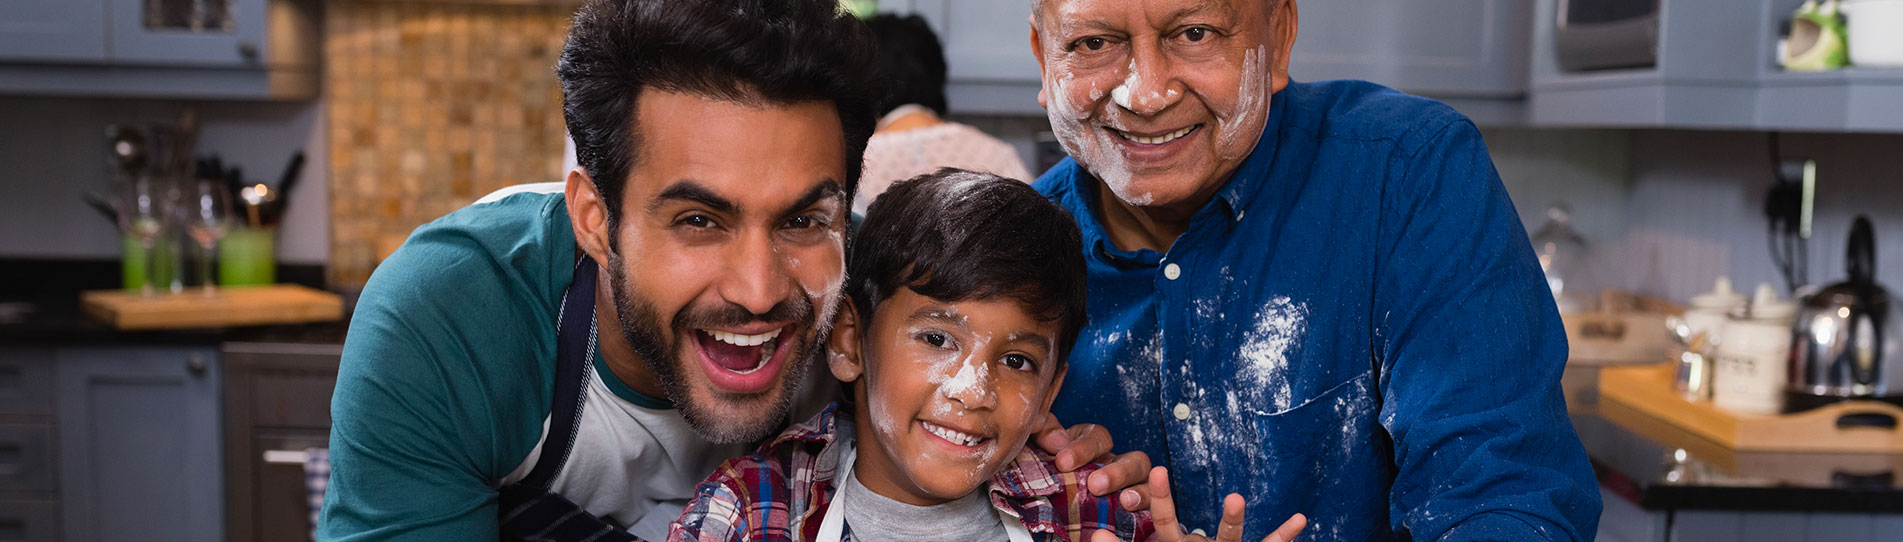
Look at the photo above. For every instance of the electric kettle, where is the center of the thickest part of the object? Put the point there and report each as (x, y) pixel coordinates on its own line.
(1844, 344)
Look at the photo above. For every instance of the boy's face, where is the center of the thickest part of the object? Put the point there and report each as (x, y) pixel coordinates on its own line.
(949, 391)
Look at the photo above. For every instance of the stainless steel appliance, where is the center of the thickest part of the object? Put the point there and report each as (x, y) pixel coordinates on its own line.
(1844, 343)
(1606, 34)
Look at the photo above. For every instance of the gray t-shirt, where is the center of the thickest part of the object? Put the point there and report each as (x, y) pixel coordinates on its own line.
(871, 516)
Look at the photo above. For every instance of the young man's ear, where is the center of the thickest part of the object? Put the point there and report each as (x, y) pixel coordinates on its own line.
(843, 355)
(588, 215)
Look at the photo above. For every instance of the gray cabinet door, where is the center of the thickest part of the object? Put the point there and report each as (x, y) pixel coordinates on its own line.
(53, 30)
(140, 443)
(140, 37)
(984, 40)
(1443, 48)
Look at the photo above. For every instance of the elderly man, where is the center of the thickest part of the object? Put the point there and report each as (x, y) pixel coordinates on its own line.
(1317, 296)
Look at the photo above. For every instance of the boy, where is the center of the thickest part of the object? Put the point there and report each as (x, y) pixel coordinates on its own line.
(966, 293)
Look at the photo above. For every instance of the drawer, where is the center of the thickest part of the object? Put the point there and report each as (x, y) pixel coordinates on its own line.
(26, 458)
(293, 400)
(26, 381)
(34, 521)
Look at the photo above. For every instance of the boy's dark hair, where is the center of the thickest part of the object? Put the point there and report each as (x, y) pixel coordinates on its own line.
(755, 52)
(956, 235)
(912, 60)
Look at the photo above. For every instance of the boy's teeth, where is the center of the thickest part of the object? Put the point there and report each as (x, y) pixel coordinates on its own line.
(737, 339)
(1158, 140)
(959, 438)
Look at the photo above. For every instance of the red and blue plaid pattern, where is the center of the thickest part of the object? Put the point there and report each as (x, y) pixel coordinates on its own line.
(780, 493)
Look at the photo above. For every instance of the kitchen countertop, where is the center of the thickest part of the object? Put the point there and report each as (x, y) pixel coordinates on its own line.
(1657, 472)
(47, 312)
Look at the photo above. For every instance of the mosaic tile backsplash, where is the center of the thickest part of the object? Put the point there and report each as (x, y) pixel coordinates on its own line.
(432, 105)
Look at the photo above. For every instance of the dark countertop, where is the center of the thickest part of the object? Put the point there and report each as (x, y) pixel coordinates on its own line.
(1662, 472)
(42, 308)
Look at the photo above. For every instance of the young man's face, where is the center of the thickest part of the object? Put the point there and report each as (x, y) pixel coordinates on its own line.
(729, 256)
(1161, 99)
(949, 392)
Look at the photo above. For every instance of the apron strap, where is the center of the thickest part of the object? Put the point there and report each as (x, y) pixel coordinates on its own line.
(527, 510)
(574, 360)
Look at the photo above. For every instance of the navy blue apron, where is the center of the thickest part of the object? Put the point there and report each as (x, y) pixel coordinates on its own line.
(527, 510)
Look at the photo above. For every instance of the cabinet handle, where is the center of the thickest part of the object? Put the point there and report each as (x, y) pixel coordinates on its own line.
(195, 364)
(286, 457)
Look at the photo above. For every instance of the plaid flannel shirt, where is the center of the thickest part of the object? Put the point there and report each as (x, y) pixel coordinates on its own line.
(781, 492)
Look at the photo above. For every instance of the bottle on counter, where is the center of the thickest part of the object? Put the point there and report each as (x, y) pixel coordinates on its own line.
(1752, 358)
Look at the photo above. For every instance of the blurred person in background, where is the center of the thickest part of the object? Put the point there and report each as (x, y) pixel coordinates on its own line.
(913, 138)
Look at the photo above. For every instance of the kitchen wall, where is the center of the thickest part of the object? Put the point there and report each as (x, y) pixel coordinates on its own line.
(433, 105)
(55, 151)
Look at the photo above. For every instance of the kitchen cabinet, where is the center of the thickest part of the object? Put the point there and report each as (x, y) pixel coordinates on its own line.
(139, 443)
(277, 403)
(53, 30)
(1716, 69)
(259, 49)
(135, 41)
(1470, 53)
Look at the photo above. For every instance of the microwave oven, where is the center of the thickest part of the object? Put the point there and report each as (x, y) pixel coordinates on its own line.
(1606, 34)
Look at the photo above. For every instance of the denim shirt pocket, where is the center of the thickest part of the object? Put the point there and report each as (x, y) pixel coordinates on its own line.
(1326, 458)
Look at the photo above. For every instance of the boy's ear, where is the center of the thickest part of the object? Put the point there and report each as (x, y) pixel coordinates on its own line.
(843, 347)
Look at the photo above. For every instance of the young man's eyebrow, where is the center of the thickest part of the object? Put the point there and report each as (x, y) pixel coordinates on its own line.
(688, 190)
(827, 188)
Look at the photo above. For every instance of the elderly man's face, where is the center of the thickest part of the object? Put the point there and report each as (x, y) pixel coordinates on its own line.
(1161, 99)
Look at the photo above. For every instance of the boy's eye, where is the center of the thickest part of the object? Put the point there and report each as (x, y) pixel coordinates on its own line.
(934, 338)
(1020, 362)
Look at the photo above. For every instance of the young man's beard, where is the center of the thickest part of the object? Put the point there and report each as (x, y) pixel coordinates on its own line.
(642, 327)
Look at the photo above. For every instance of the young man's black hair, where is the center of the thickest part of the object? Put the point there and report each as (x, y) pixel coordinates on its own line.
(744, 51)
(912, 60)
(956, 235)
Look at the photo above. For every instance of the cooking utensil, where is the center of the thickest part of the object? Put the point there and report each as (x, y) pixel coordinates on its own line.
(257, 198)
(1844, 341)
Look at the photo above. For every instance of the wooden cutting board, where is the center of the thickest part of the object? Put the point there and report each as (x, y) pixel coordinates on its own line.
(228, 307)
(1641, 398)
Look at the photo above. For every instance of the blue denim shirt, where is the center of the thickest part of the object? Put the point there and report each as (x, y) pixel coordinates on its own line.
(1355, 328)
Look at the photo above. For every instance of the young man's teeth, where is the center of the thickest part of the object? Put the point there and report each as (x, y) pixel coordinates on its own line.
(961, 439)
(737, 339)
(1158, 140)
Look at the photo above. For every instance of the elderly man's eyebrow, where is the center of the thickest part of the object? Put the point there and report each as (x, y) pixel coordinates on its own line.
(1198, 9)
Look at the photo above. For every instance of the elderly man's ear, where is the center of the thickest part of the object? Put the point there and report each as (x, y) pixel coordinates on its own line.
(842, 349)
(1284, 26)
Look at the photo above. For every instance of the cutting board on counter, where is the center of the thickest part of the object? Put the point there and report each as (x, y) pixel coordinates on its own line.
(228, 307)
(1641, 398)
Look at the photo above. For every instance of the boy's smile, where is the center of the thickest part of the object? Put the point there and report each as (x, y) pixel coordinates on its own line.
(950, 391)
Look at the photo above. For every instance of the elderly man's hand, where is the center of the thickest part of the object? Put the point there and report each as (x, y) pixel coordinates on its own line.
(1084, 443)
(1168, 529)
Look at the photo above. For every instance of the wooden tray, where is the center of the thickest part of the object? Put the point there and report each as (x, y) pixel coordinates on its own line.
(232, 306)
(1642, 398)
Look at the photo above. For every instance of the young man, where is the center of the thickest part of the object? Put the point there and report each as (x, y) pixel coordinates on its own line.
(966, 294)
(568, 366)
(1315, 295)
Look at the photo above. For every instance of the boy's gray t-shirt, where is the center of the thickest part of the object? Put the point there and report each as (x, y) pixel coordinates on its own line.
(872, 516)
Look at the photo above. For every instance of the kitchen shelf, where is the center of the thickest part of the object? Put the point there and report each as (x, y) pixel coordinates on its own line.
(1849, 100)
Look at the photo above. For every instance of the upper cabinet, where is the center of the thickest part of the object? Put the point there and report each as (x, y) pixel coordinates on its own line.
(1470, 53)
(53, 30)
(1715, 68)
(240, 49)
